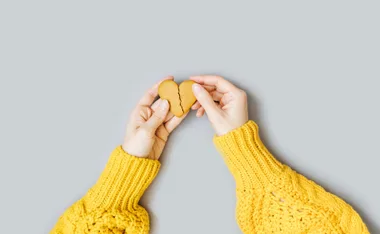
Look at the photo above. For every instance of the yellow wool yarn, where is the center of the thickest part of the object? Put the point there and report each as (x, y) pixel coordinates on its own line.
(111, 206)
(271, 197)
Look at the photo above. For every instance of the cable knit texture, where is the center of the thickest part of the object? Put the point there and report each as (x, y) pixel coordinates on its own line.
(272, 198)
(111, 206)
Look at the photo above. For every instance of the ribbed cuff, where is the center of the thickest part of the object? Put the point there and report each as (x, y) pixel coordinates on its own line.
(251, 164)
(123, 182)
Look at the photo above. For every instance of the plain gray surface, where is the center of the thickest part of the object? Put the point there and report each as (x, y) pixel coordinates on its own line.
(71, 72)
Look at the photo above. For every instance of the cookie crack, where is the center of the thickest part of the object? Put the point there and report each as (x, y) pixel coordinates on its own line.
(180, 101)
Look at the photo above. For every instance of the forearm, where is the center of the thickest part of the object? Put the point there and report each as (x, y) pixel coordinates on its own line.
(123, 182)
(272, 193)
(112, 203)
(249, 161)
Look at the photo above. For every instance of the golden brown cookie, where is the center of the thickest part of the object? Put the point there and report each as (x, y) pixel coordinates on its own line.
(180, 98)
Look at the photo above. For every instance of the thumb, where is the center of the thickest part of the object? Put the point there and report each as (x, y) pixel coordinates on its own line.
(158, 116)
(205, 99)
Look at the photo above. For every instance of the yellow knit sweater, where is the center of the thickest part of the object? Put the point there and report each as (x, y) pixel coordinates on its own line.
(271, 197)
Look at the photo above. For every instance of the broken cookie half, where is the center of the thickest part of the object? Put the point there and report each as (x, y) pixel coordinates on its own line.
(180, 98)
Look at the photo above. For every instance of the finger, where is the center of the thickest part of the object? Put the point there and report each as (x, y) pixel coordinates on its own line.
(158, 117)
(174, 122)
(152, 93)
(221, 103)
(220, 83)
(196, 106)
(205, 99)
(168, 117)
(162, 133)
(200, 112)
(209, 88)
(216, 96)
(156, 105)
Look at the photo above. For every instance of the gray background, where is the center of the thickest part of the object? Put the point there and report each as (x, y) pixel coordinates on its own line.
(71, 72)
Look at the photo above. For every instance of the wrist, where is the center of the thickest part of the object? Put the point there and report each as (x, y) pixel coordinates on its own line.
(134, 149)
(229, 126)
(123, 181)
(246, 156)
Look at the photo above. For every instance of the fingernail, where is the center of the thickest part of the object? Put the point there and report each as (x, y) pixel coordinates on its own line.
(196, 88)
(164, 105)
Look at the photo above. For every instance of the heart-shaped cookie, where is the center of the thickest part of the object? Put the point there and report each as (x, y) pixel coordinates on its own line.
(180, 98)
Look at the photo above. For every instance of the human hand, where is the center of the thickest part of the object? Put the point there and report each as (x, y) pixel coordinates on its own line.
(150, 125)
(225, 105)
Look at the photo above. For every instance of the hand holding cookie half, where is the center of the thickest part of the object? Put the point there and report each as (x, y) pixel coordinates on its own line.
(225, 105)
(149, 125)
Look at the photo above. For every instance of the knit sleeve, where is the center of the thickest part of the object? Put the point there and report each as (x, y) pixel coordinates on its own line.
(111, 205)
(272, 198)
